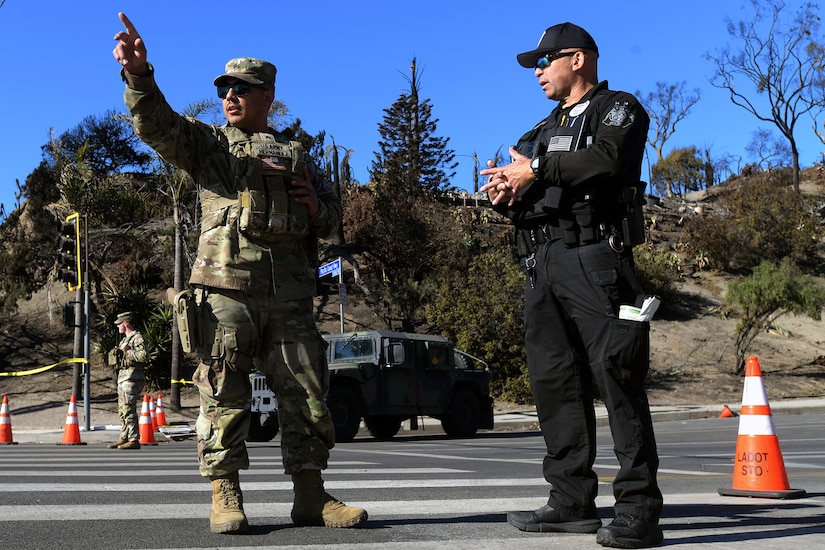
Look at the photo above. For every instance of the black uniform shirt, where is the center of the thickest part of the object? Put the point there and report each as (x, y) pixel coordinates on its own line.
(593, 147)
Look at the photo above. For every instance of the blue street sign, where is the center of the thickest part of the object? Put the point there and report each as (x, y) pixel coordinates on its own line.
(332, 268)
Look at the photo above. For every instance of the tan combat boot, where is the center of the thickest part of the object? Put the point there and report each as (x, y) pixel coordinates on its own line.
(118, 443)
(226, 514)
(313, 506)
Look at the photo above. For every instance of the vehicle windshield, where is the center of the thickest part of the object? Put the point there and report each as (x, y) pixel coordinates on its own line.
(465, 361)
(353, 350)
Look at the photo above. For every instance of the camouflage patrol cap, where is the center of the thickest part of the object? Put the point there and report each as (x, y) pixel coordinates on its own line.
(249, 69)
(125, 316)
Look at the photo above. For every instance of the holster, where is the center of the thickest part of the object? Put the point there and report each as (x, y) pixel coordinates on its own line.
(633, 221)
(186, 313)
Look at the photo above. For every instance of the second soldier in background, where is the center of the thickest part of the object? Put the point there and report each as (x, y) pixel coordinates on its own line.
(129, 360)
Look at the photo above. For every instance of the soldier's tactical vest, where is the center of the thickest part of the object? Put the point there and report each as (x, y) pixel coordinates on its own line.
(266, 211)
(117, 356)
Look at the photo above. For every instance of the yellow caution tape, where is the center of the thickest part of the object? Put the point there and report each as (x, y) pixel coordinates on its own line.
(38, 370)
(182, 381)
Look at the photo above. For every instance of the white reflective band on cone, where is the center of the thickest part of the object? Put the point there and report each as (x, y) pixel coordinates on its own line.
(756, 424)
(754, 393)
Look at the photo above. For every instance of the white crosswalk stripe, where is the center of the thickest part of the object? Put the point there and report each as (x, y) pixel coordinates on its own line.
(420, 495)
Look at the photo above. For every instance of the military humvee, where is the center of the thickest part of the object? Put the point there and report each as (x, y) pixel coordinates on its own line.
(263, 425)
(387, 378)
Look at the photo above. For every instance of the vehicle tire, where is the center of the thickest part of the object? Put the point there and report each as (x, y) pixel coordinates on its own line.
(383, 427)
(464, 415)
(257, 432)
(346, 413)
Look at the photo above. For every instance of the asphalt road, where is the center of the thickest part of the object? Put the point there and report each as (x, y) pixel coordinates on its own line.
(422, 491)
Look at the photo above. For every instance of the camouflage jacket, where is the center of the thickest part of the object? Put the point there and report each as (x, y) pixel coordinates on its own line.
(226, 257)
(133, 358)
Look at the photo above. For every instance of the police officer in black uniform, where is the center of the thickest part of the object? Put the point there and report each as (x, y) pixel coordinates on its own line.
(573, 193)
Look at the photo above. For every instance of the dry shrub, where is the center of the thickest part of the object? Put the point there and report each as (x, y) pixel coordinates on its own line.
(758, 218)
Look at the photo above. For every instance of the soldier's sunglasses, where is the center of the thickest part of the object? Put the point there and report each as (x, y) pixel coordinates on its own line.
(544, 62)
(240, 89)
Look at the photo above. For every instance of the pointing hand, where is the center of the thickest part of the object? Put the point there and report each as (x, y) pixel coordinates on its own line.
(130, 50)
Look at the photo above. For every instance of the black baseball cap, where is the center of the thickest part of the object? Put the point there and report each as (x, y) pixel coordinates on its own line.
(558, 37)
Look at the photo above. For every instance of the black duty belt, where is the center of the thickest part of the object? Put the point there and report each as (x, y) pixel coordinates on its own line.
(544, 234)
(547, 233)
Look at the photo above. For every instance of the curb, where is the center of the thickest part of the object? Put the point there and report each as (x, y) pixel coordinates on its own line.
(526, 420)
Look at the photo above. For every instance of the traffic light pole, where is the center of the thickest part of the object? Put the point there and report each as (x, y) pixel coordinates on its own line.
(77, 350)
(74, 273)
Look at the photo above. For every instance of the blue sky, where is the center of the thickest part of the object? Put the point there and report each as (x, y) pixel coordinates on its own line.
(341, 63)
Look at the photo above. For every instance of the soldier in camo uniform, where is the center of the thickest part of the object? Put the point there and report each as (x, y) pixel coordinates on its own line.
(128, 359)
(264, 204)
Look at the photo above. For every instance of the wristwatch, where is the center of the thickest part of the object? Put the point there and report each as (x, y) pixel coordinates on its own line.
(534, 164)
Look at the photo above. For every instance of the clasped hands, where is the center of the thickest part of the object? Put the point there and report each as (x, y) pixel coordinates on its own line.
(509, 182)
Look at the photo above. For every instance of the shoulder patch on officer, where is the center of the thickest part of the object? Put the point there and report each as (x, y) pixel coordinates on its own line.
(619, 116)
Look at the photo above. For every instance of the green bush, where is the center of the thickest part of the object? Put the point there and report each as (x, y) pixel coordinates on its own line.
(154, 322)
(487, 321)
(769, 292)
(111, 201)
(657, 270)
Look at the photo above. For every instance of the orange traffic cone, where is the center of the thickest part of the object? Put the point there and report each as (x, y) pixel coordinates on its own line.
(153, 413)
(759, 470)
(160, 413)
(71, 430)
(5, 423)
(145, 429)
(726, 412)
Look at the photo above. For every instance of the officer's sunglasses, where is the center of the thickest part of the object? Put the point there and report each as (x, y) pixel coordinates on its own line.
(240, 89)
(544, 62)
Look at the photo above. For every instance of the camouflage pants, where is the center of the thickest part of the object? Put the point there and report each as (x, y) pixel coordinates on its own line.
(129, 387)
(281, 340)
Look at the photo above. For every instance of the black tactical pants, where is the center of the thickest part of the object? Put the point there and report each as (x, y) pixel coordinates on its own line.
(574, 336)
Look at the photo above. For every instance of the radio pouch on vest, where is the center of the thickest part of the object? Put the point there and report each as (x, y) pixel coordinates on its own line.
(583, 212)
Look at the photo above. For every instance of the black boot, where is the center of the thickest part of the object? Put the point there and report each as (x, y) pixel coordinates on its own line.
(628, 531)
(549, 520)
